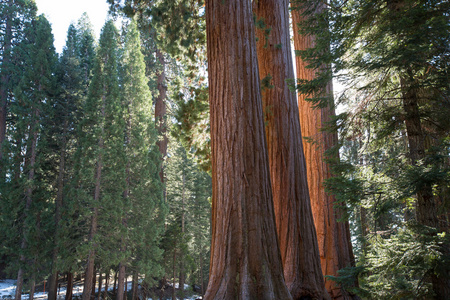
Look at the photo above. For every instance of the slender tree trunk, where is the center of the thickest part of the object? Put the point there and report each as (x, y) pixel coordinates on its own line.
(181, 259)
(69, 291)
(31, 153)
(105, 294)
(94, 283)
(134, 289)
(53, 280)
(333, 236)
(295, 225)
(245, 256)
(174, 295)
(93, 230)
(115, 282)
(100, 279)
(120, 283)
(32, 288)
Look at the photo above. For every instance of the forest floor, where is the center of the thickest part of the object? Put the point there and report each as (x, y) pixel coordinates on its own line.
(8, 287)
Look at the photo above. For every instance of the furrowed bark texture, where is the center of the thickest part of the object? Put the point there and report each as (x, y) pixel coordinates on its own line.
(245, 257)
(294, 219)
(333, 236)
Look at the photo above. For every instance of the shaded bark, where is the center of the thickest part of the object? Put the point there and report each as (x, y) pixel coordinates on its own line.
(245, 257)
(100, 281)
(105, 294)
(120, 282)
(333, 236)
(69, 290)
(294, 219)
(134, 289)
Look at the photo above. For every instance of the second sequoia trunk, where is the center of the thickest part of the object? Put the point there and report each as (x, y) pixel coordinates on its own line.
(294, 220)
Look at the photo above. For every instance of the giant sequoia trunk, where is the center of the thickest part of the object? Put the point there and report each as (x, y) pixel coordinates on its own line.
(294, 220)
(333, 236)
(245, 257)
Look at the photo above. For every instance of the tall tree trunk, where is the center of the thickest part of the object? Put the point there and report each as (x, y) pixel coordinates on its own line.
(295, 225)
(120, 282)
(174, 297)
(32, 288)
(245, 256)
(181, 259)
(53, 280)
(93, 230)
(69, 290)
(333, 236)
(31, 154)
(93, 283)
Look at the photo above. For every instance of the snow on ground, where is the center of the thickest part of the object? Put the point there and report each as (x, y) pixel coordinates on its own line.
(8, 289)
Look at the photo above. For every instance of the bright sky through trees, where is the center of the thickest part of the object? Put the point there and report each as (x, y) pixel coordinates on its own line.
(61, 13)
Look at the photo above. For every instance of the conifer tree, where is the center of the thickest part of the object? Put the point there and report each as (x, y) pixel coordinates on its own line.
(15, 15)
(143, 208)
(101, 158)
(34, 91)
(63, 122)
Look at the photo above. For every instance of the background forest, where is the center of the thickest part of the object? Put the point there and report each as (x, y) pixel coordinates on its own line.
(110, 168)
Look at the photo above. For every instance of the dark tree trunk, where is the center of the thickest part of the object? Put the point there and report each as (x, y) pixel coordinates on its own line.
(100, 279)
(134, 289)
(333, 236)
(105, 294)
(115, 282)
(174, 295)
(69, 291)
(93, 284)
(295, 225)
(245, 256)
(120, 282)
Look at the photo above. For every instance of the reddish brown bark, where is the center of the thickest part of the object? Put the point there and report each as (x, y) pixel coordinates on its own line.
(69, 290)
(245, 257)
(333, 236)
(295, 225)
